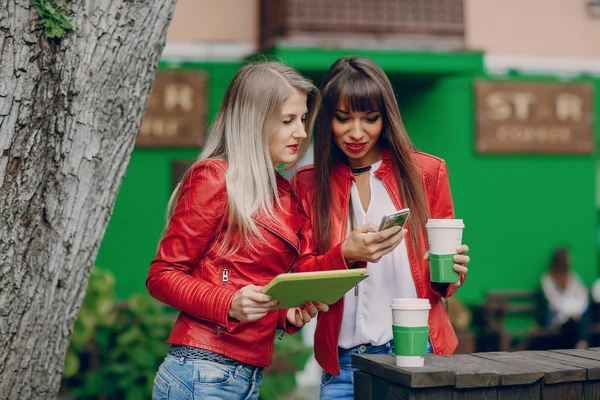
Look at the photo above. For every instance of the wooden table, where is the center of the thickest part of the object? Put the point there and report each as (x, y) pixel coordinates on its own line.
(547, 375)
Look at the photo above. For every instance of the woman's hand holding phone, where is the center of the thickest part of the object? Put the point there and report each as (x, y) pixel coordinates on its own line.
(366, 243)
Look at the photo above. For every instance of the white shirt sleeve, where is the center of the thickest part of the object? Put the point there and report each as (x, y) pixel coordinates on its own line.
(572, 301)
(596, 291)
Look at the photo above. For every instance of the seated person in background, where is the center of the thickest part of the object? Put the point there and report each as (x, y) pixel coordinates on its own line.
(596, 291)
(568, 300)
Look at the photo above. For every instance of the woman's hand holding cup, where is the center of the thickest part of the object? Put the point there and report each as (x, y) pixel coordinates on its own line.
(460, 259)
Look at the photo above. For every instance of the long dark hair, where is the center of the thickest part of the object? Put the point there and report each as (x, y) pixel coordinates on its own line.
(559, 268)
(363, 86)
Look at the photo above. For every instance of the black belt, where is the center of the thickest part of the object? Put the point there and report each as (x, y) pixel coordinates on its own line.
(194, 353)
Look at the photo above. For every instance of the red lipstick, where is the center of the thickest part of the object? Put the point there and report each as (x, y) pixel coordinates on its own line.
(356, 147)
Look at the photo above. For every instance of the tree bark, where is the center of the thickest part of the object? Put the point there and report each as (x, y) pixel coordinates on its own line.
(69, 113)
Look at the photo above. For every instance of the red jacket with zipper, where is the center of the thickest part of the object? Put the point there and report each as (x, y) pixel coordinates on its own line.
(187, 273)
(439, 199)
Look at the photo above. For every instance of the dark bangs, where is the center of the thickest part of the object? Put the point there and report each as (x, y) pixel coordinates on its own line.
(355, 92)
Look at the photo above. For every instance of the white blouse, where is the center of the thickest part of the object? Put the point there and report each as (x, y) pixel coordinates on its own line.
(564, 304)
(367, 317)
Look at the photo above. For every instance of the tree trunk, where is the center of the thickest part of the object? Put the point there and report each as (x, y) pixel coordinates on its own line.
(69, 112)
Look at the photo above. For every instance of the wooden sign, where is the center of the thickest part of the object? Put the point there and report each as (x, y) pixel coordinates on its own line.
(534, 117)
(176, 111)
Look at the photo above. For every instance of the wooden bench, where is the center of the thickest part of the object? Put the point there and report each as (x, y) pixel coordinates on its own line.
(529, 306)
(547, 375)
(501, 306)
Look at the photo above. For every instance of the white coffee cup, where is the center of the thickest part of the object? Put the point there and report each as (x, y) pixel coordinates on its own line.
(410, 327)
(444, 235)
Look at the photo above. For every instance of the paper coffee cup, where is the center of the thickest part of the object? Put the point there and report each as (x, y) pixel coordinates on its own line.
(410, 330)
(444, 236)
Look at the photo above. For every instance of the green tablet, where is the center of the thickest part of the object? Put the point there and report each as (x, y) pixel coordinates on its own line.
(294, 289)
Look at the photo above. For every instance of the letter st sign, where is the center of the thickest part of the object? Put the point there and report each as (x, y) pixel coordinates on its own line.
(534, 117)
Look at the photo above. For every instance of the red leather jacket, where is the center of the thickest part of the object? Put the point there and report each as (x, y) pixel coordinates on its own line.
(437, 189)
(188, 275)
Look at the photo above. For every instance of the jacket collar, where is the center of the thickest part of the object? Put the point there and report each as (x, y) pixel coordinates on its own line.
(386, 163)
(282, 182)
(284, 227)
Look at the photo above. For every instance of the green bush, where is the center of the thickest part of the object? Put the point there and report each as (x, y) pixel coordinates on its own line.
(117, 347)
(289, 357)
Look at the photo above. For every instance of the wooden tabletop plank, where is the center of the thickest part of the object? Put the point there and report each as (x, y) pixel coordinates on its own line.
(509, 374)
(384, 366)
(484, 370)
(554, 371)
(589, 354)
(594, 348)
(592, 366)
(470, 372)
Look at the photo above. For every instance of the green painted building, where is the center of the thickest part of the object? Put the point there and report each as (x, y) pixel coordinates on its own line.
(516, 208)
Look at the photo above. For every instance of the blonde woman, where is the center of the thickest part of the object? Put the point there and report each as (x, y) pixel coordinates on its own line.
(230, 230)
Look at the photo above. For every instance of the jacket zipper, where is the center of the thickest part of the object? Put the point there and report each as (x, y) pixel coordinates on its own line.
(225, 277)
(224, 280)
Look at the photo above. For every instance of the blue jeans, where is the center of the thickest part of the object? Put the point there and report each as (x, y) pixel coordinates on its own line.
(179, 378)
(572, 331)
(341, 387)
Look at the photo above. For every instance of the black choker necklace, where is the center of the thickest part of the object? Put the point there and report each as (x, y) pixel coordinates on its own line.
(360, 170)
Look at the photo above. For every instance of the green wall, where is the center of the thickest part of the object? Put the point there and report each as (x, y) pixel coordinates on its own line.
(517, 209)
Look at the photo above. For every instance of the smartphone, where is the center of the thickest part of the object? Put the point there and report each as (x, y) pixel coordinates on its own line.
(398, 218)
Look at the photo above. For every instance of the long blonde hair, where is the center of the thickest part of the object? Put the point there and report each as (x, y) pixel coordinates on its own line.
(249, 115)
